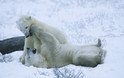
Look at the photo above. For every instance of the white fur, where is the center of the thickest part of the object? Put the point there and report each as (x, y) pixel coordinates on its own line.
(36, 59)
(58, 55)
(24, 24)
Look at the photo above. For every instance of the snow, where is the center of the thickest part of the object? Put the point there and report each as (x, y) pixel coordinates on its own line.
(82, 21)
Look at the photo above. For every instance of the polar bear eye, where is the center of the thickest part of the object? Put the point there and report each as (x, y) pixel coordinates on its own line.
(26, 27)
(34, 51)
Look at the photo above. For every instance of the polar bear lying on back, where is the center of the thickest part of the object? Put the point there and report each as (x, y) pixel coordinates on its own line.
(58, 55)
(25, 23)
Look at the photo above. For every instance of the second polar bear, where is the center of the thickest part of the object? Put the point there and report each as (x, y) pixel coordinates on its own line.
(58, 55)
(24, 24)
(34, 58)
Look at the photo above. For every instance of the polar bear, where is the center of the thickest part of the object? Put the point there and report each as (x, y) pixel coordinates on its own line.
(24, 24)
(32, 57)
(58, 55)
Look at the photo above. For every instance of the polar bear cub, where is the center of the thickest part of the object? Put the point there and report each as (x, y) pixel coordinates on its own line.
(24, 24)
(58, 55)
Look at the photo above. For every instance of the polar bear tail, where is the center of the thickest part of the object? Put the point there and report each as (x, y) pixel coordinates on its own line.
(99, 43)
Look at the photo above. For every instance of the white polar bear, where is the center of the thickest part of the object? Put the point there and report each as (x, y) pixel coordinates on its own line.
(34, 58)
(58, 55)
(24, 24)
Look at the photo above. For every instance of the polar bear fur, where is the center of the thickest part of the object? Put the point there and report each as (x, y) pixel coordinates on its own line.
(34, 58)
(24, 24)
(58, 55)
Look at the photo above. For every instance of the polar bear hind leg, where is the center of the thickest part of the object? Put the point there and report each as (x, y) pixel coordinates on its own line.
(85, 60)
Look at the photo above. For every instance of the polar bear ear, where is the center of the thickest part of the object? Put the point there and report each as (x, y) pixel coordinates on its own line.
(28, 18)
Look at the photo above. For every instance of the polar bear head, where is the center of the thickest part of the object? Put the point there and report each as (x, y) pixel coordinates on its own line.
(24, 24)
(35, 58)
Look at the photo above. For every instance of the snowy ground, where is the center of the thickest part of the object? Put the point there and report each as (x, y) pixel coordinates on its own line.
(83, 22)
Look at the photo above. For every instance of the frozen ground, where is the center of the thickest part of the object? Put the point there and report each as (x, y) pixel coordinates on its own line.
(83, 21)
